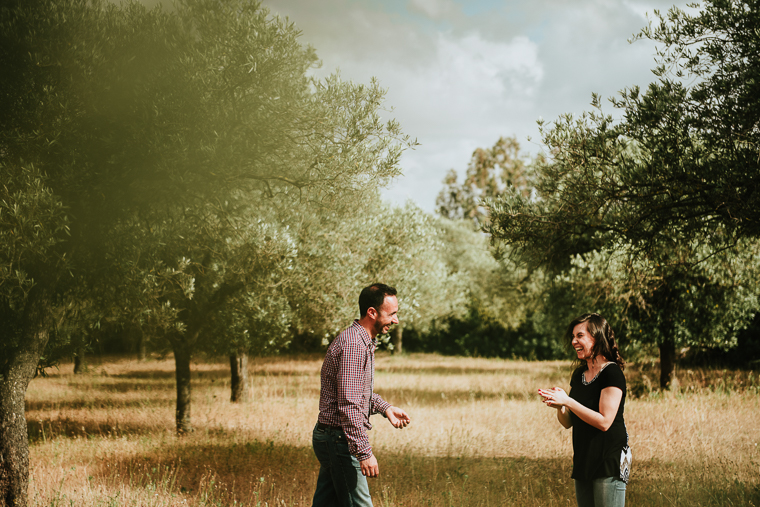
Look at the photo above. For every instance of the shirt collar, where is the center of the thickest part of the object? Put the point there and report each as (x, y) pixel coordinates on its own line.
(363, 333)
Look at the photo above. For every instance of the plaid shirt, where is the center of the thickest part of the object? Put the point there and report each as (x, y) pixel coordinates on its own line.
(346, 398)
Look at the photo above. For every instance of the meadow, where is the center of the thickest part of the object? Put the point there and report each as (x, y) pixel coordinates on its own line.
(479, 435)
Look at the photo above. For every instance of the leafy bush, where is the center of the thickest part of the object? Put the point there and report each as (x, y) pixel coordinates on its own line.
(479, 333)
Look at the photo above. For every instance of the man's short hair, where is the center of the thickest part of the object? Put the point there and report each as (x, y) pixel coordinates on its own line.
(374, 296)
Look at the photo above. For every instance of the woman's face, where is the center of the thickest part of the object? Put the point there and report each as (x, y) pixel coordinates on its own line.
(583, 342)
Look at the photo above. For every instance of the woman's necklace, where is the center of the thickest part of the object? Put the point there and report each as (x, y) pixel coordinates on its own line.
(590, 375)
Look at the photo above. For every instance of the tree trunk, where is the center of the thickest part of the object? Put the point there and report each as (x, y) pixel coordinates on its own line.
(142, 344)
(239, 377)
(182, 355)
(80, 363)
(397, 333)
(14, 445)
(18, 370)
(667, 363)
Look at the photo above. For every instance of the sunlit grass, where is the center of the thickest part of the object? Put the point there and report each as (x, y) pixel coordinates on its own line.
(479, 436)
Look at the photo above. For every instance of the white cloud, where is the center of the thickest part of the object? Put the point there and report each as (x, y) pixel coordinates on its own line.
(472, 65)
(643, 10)
(466, 95)
(468, 88)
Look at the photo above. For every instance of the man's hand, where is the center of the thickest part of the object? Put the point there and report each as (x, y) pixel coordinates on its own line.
(369, 467)
(397, 417)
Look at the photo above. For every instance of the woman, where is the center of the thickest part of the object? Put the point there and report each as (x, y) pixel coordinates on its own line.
(594, 409)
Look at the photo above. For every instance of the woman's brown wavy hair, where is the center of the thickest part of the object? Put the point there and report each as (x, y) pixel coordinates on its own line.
(603, 335)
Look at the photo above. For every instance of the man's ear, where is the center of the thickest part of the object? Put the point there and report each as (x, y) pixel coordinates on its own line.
(372, 312)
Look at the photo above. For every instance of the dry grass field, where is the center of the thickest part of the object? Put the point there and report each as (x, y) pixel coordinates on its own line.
(479, 436)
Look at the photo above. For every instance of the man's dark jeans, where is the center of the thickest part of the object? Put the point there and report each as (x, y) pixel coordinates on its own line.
(340, 482)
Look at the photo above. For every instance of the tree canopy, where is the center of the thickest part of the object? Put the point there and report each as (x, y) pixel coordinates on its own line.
(667, 191)
(154, 151)
(681, 163)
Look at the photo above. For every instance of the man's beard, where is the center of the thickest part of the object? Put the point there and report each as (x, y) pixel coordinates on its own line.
(379, 328)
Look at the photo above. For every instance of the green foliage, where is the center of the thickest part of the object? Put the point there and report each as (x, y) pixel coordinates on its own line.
(145, 158)
(411, 254)
(501, 309)
(705, 106)
(339, 254)
(33, 225)
(162, 136)
(705, 304)
(497, 311)
(651, 219)
(745, 354)
(682, 163)
(479, 333)
(498, 284)
(208, 278)
(33, 230)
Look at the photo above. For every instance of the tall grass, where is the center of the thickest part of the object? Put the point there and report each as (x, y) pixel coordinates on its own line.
(479, 436)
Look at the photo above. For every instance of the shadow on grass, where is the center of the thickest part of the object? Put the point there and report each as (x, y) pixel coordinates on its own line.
(220, 374)
(219, 468)
(521, 481)
(98, 398)
(275, 474)
(250, 473)
(424, 396)
(99, 403)
(221, 370)
(518, 369)
(40, 430)
(428, 397)
(169, 374)
(698, 483)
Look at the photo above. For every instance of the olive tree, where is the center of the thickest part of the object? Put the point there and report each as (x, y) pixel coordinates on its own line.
(340, 254)
(673, 182)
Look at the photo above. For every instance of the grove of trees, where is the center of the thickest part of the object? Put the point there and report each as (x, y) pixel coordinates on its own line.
(654, 218)
(150, 164)
(179, 180)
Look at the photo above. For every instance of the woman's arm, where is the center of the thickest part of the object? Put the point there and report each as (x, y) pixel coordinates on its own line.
(563, 416)
(609, 401)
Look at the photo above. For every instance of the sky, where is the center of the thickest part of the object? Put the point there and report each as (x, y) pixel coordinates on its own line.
(460, 74)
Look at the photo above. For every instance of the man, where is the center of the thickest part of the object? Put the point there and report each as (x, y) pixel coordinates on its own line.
(346, 401)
